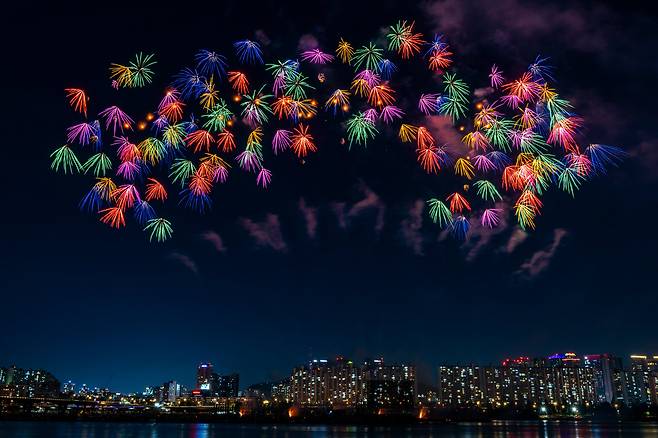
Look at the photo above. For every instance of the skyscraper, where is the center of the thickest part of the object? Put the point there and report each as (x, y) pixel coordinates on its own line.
(204, 376)
(642, 379)
(389, 388)
(607, 371)
(460, 385)
(225, 385)
(170, 391)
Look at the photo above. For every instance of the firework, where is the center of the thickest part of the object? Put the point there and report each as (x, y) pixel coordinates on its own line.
(368, 56)
(519, 138)
(402, 39)
(316, 56)
(239, 82)
(439, 212)
(490, 217)
(390, 112)
(113, 217)
(210, 63)
(264, 178)
(459, 227)
(64, 159)
(77, 99)
(255, 108)
(155, 191)
(116, 118)
(427, 104)
(360, 129)
(496, 77)
(429, 158)
(386, 69)
(458, 203)
(344, 51)
(248, 51)
(281, 141)
(159, 229)
(99, 164)
(302, 142)
(338, 99)
(140, 69)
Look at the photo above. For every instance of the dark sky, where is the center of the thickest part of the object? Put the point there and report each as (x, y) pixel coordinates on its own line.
(107, 308)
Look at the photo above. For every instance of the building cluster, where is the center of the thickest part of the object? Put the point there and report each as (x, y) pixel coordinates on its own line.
(210, 383)
(18, 382)
(557, 383)
(342, 384)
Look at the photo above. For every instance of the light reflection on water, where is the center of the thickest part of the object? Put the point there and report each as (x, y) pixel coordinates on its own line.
(497, 429)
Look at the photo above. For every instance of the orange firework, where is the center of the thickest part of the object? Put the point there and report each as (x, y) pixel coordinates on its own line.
(428, 157)
(458, 203)
(239, 82)
(155, 190)
(113, 217)
(440, 59)
(302, 141)
(173, 111)
(226, 140)
(77, 99)
(381, 95)
(199, 139)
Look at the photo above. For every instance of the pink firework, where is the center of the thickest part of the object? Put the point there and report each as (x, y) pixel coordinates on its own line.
(390, 113)
(80, 133)
(491, 217)
(128, 170)
(125, 196)
(126, 150)
(524, 88)
(279, 84)
(249, 161)
(427, 104)
(281, 141)
(370, 77)
(496, 77)
(116, 118)
(483, 164)
(370, 115)
(511, 101)
(264, 178)
(171, 96)
(316, 56)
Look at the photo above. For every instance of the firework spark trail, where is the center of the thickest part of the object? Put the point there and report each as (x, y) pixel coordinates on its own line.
(515, 142)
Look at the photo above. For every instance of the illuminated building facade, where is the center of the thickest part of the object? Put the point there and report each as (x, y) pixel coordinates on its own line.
(461, 385)
(282, 391)
(69, 388)
(642, 379)
(341, 384)
(561, 381)
(18, 382)
(170, 391)
(209, 383)
(608, 377)
(389, 388)
(204, 375)
(225, 385)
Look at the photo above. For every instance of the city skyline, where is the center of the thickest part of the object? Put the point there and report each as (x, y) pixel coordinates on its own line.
(557, 386)
(434, 377)
(341, 249)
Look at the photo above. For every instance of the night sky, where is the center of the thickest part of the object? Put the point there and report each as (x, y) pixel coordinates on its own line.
(337, 258)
